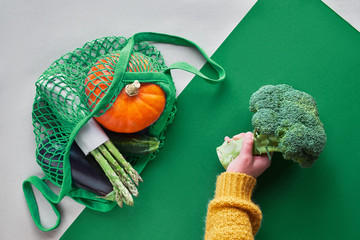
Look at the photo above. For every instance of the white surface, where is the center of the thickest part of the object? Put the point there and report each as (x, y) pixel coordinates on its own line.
(349, 10)
(35, 33)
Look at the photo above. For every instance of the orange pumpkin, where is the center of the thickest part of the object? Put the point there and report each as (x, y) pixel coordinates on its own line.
(136, 107)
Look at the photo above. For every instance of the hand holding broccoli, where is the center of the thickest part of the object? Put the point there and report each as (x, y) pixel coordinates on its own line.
(285, 120)
(245, 162)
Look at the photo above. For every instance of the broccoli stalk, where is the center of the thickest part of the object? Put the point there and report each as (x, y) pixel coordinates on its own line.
(286, 121)
(263, 144)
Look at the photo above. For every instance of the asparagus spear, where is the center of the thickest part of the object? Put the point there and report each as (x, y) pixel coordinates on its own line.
(121, 192)
(125, 179)
(119, 157)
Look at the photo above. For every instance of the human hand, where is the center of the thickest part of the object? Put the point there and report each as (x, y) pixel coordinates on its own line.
(245, 162)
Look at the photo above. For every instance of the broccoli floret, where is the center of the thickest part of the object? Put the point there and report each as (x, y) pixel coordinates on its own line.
(285, 120)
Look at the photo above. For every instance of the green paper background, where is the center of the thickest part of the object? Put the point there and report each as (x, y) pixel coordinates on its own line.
(301, 43)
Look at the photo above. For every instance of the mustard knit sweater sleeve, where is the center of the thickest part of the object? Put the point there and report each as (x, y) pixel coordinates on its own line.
(232, 214)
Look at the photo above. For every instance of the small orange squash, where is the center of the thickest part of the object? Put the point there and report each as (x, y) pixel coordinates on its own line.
(136, 107)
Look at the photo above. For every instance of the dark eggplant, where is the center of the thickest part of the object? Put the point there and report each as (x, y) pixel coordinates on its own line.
(85, 171)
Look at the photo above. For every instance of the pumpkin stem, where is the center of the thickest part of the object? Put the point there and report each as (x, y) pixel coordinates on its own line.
(132, 89)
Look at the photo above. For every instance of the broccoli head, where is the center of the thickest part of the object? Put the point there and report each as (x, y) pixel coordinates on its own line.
(285, 120)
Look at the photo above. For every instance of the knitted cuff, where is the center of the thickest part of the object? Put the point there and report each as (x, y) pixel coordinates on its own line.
(231, 184)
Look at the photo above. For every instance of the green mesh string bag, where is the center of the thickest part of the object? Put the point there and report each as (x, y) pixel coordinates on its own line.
(75, 94)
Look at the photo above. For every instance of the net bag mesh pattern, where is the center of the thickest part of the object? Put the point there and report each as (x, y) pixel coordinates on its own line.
(84, 84)
(68, 91)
